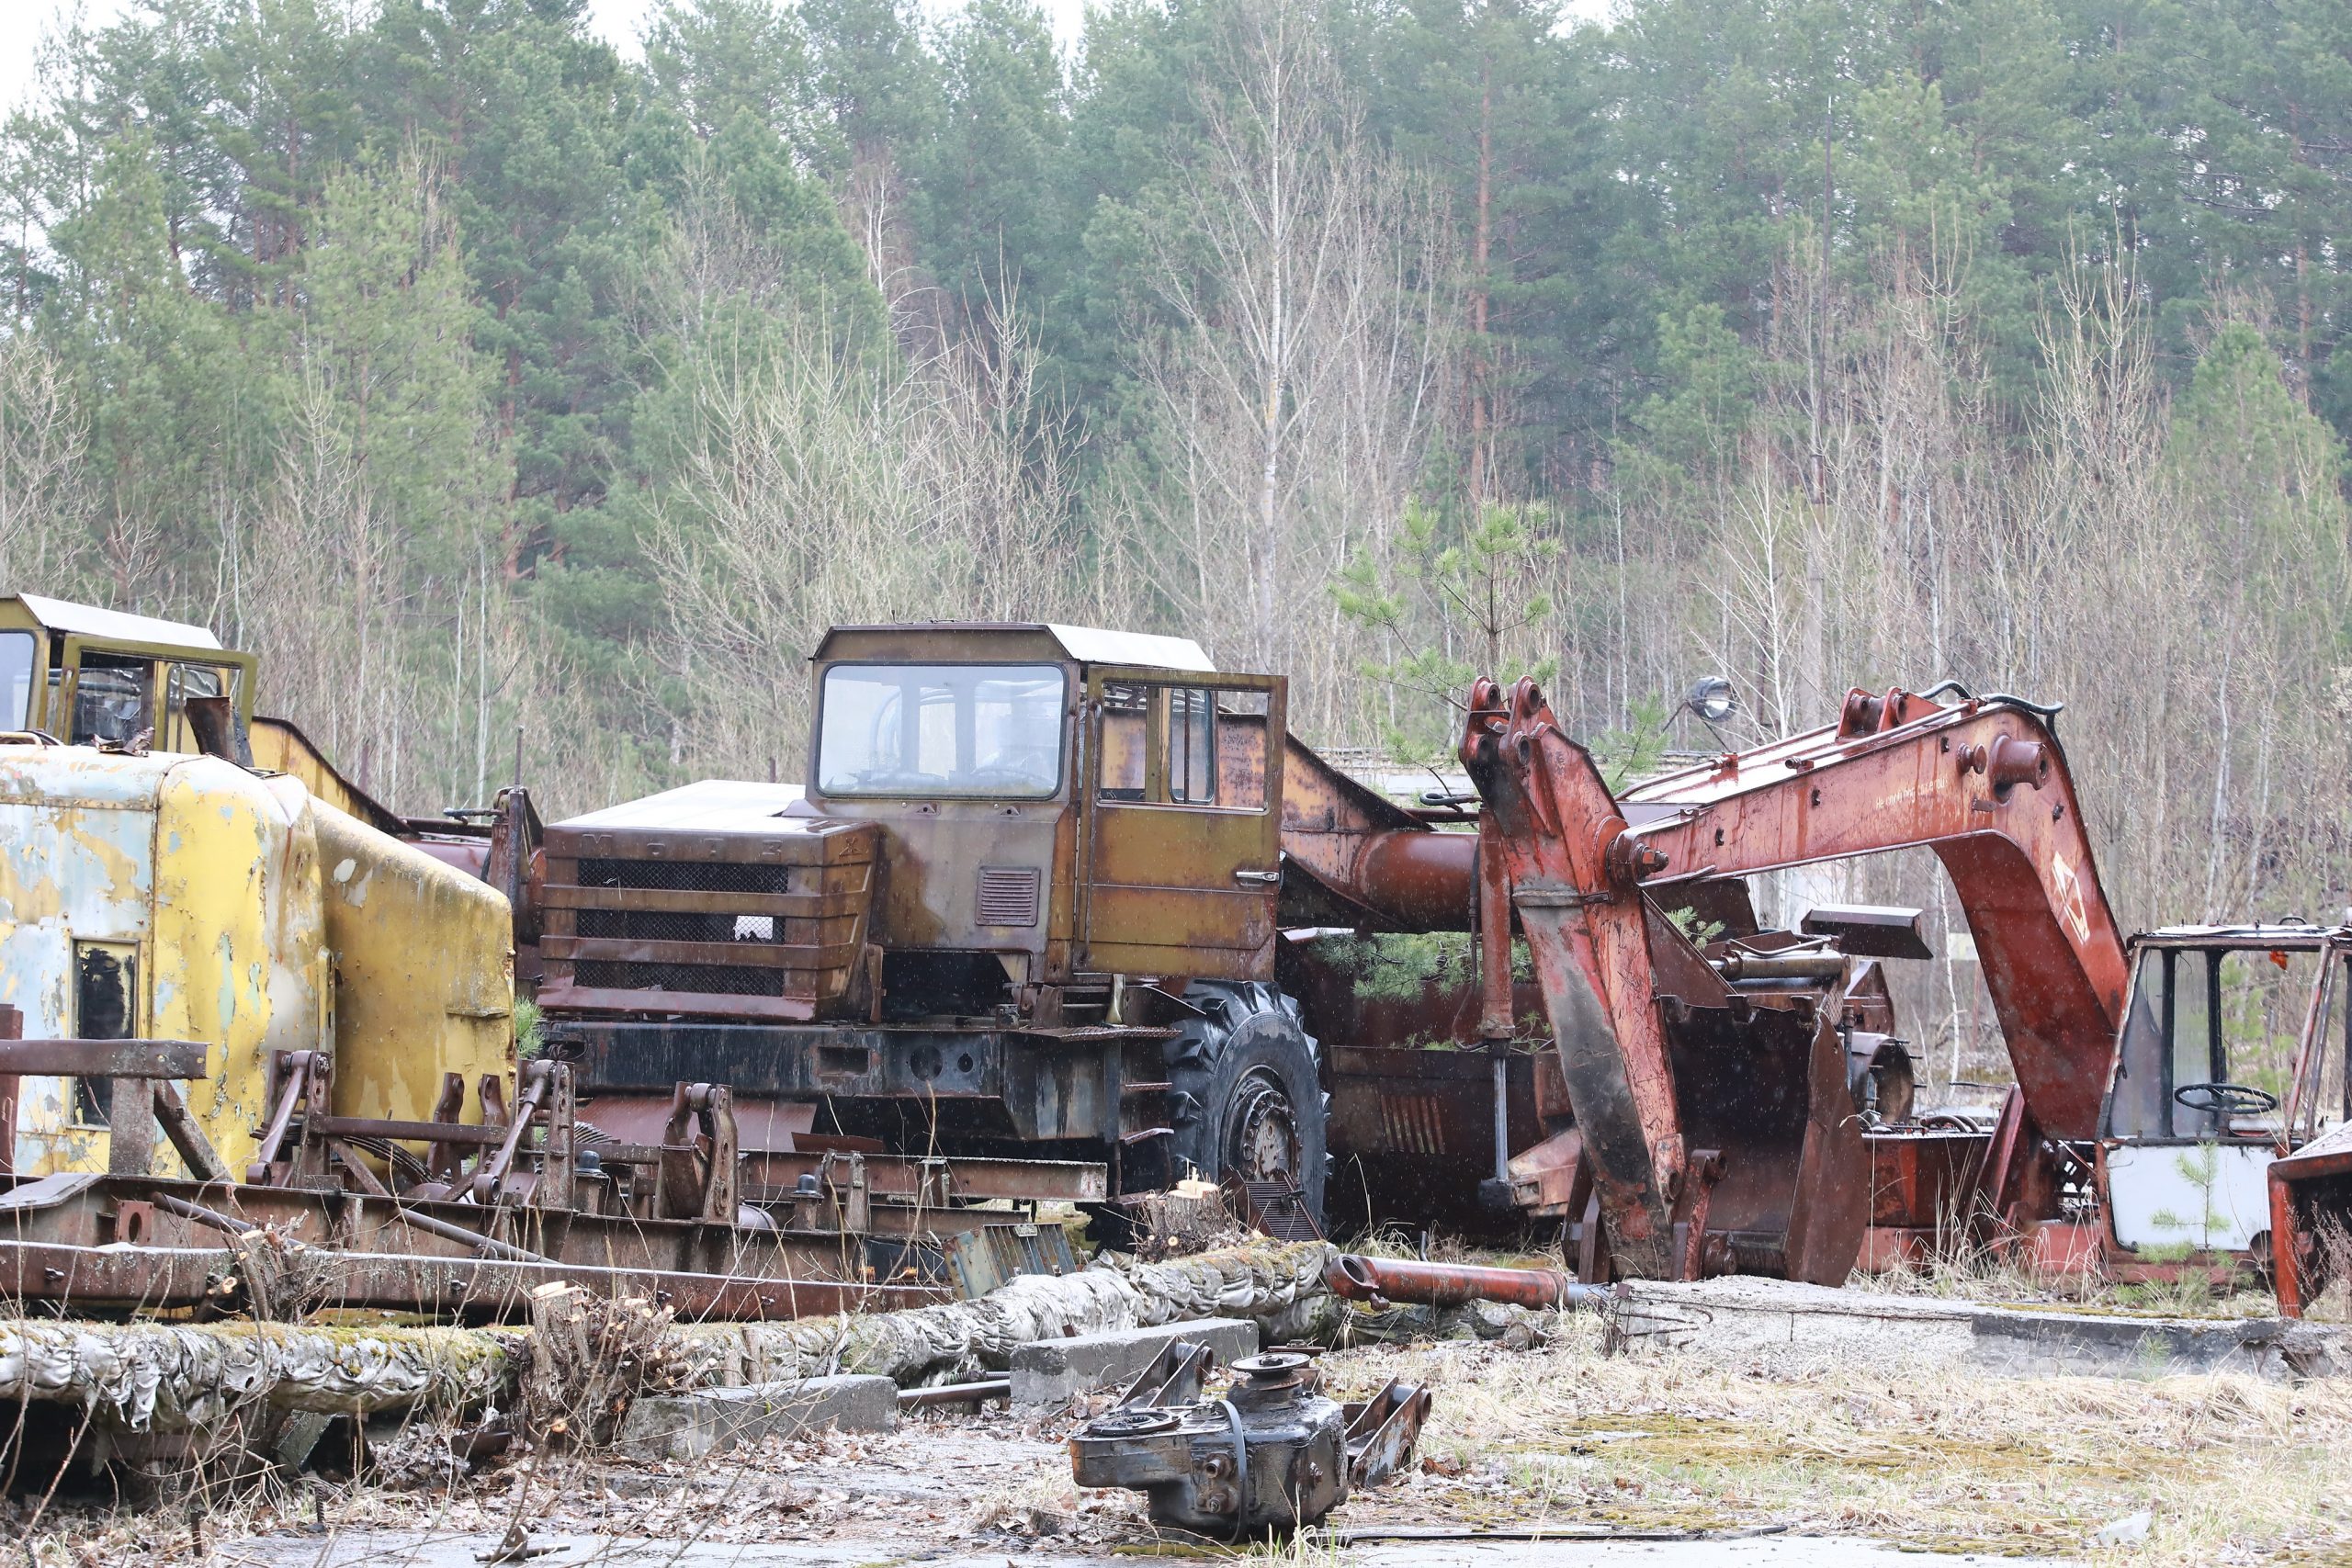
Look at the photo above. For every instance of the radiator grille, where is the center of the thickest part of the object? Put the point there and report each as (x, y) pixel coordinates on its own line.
(708, 926)
(1007, 895)
(708, 876)
(730, 980)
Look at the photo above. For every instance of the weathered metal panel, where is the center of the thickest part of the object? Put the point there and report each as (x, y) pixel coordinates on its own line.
(77, 864)
(239, 959)
(424, 972)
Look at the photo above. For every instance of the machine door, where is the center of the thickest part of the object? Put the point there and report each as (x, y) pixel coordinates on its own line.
(1180, 862)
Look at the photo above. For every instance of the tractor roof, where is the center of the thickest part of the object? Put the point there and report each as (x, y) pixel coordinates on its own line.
(1086, 645)
(86, 620)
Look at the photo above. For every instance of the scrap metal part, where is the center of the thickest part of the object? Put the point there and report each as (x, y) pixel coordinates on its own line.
(1382, 1431)
(1271, 1454)
(1381, 1281)
(1274, 1453)
(2311, 1219)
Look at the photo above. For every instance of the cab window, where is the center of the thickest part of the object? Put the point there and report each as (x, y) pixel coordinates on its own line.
(2203, 1016)
(114, 700)
(18, 654)
(911, 730)
(1181, 745)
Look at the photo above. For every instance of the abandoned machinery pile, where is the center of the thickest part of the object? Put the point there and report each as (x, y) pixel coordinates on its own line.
(1068, 918)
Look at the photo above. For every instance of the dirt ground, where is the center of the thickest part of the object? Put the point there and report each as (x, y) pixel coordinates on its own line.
(1570, 1435)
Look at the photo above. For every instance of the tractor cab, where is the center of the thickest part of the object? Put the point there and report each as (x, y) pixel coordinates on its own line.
(1061, 802)
(2232, 1053)
(92, 677)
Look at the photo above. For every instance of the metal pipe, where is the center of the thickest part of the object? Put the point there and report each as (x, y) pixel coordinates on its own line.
(956, 1394)
(1502, 1115)
(1421, 880)
(460, 1234)
(1799, 967)
(1378, 1279)
(201, 1214)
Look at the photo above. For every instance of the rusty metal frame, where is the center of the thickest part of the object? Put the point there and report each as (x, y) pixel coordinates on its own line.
(407, 1253)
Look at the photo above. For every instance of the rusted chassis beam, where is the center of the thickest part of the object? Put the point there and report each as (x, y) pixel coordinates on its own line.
(93, 1242)
(1027, 1085)
(115, 1279)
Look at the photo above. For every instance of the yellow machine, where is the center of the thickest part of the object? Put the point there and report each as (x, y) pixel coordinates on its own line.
(170, 894)
(86, 676)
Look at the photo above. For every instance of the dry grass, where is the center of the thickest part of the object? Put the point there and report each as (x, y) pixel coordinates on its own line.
(2236, 1469)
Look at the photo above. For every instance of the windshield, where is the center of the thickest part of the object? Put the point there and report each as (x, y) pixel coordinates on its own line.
(948, 730)
(16, 651)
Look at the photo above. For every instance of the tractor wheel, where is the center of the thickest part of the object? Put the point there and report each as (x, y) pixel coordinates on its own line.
(1248, 1102)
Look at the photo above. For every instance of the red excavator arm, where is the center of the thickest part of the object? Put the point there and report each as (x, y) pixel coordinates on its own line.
(1982, 782)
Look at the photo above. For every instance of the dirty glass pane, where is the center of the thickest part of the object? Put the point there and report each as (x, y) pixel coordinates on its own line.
(2192, 1038)
(1192, 745)
(2138, 1108)
(1241, 749)
(2266, 994)
(189, 683)
(18, 651)
(991, 730)
(111, 701)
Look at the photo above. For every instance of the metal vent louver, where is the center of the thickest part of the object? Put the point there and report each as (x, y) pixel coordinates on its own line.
(1007, 895)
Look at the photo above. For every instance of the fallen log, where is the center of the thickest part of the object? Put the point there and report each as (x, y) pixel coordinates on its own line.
(1280, 1286)
(172, 1377)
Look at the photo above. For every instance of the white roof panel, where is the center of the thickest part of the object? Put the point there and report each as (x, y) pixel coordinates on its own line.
(85, 620)
(1092, 646)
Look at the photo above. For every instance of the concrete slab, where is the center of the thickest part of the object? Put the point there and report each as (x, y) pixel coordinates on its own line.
(1047, 1372)
(1781, 1319)
(688, 1425)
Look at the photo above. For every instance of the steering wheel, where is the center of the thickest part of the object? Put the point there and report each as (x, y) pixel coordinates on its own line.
(2225, 1098)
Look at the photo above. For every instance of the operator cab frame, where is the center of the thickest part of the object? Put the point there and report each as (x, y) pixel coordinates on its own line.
(2234, 1050)
(86, 676)
(1071, 803)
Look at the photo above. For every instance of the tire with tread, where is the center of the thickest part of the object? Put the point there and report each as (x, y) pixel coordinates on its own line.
(1246, 1089)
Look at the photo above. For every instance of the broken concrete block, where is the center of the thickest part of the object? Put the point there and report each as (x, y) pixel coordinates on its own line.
(1047, 1372)
(688, 1425)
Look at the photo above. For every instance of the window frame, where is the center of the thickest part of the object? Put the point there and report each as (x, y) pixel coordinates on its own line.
(36, 676)
(1062, 769)
(1159, 725)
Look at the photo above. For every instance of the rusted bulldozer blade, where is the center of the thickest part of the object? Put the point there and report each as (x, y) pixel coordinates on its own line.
(1173, 1378)
(1382, 1432)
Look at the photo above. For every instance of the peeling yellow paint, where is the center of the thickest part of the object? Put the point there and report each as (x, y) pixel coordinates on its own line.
(215, 872)
(423, 973)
